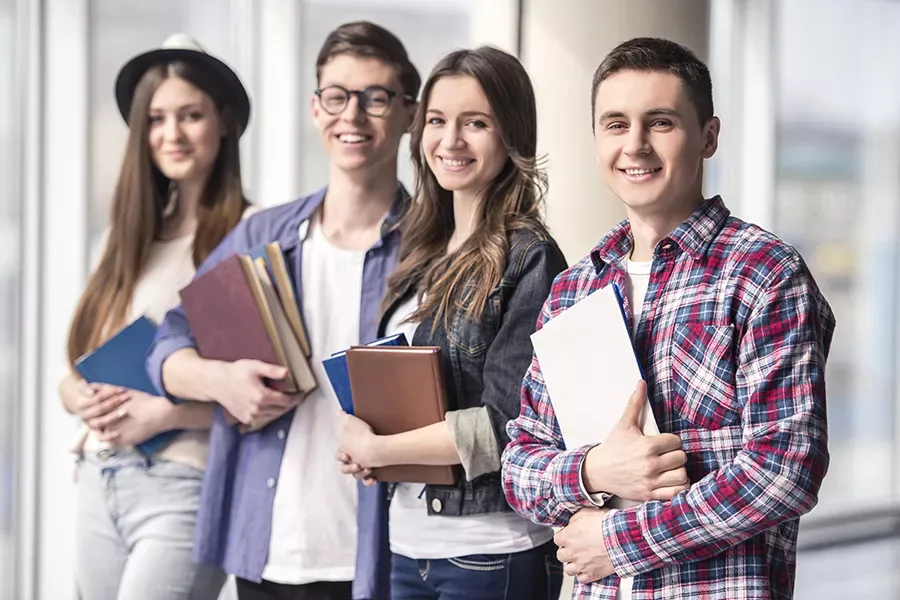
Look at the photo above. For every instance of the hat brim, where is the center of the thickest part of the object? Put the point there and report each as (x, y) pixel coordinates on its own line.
(232, 88)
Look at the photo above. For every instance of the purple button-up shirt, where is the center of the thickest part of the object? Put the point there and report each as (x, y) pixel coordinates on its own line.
(234, 522)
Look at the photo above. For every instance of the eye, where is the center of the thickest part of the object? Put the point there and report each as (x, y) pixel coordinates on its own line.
(661, 123)
(193, 116)
(435, 121)
(477, 124)
(616, 125)
(156, 119)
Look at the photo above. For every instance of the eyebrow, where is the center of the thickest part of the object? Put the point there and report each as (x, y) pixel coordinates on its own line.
(468, 113)
(653, 112)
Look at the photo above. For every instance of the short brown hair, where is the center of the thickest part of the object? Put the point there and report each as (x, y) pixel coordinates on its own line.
(657, 54)
(362, 38)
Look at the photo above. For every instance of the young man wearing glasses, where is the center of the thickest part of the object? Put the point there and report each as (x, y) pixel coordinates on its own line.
(275, 511)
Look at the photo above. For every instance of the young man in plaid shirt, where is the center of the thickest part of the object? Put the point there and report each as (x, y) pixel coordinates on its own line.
(732, 334)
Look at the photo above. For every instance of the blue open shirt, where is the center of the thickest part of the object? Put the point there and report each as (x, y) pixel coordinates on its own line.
(235, 517)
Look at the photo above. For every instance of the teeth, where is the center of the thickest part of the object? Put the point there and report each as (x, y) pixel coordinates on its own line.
(352, 138)
(450, 162)
(640, 171)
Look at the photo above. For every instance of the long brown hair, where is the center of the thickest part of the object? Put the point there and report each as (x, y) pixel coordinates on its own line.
(464, 279)
(136, 216)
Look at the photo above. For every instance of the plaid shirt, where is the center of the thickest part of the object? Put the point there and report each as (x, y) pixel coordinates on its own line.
(732, 340)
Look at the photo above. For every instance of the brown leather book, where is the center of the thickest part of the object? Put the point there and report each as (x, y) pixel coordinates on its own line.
(398, 389)
(222, 307)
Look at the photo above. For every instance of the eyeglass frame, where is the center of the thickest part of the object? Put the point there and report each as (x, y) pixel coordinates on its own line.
(360, 98)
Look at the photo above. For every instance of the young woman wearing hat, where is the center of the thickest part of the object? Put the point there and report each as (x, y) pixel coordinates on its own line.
(178, 195)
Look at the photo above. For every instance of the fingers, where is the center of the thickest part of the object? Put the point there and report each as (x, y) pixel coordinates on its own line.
(631, 417)
(267, 370)
(671, 460)
(105, 406)
(109, 419)
(673, 478)
(667, 493)
(664, 442)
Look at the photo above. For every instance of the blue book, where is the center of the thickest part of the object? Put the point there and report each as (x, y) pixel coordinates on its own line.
(121, 361)
(339, 375)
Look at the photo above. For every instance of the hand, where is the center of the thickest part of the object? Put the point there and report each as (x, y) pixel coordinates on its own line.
(582, 550)
(349, 467)
(633, 466)
(137, 420)
(239, 387)
(359, 442)
(97, 400)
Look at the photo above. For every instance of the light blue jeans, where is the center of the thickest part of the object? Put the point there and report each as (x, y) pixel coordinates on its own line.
(135, 530)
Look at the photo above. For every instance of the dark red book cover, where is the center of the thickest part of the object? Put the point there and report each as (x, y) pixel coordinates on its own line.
(225, 319)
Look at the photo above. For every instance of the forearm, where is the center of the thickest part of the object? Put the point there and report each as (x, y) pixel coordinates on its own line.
(190, 415)
(187, 375)
(475, 442)
(725, 508)
(431, 445)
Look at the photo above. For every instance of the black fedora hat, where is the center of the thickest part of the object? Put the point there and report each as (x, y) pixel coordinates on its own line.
(182, 47)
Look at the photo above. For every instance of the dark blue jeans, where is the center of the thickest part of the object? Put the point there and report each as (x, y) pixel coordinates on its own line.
(531, 575)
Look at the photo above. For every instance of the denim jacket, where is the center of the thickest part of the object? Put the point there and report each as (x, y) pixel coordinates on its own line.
(485, 359)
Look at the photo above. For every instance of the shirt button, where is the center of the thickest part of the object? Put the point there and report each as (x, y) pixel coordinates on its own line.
(270, 483)
(436, 505)
(281, 434)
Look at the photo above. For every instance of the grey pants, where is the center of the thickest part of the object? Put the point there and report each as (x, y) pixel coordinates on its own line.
(135, 529)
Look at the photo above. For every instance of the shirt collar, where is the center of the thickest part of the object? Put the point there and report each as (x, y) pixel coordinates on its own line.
(388, 223)
(694, 236)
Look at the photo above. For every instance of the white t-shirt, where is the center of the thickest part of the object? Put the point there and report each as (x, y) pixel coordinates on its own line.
(637, 280)
(416, 534)
(314, 514)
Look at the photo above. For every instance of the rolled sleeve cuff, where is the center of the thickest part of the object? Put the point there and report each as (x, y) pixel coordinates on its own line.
(568, 489)
(629, 551)
(475, 441)
(163, 349)
(599, 499)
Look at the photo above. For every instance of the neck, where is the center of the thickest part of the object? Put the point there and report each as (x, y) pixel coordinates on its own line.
(649, 227)
(184, 220)
(355, 205)
(465, 218)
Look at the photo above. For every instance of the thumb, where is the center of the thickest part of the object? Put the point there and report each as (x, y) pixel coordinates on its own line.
(269, 371)
(631, 416)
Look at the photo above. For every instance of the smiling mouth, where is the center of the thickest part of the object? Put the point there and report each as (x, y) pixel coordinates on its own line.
(456, 163)
(639, 172)
(354, 138)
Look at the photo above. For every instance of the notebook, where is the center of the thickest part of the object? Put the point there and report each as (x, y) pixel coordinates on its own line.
(121, 361)
(398, 389)
(589, 367)
(339, 376)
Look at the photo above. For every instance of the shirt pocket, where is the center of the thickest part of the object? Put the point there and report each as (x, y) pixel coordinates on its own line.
(703, 375)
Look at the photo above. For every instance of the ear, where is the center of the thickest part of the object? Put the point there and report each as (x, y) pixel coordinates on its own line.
(314, 106)
(711, 137)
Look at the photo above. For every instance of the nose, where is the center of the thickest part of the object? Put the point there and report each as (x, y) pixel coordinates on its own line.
(353, 112)
(637, 142)
(453, 139)
(172, 129)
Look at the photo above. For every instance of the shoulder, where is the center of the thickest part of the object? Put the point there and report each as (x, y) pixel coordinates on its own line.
(533, 245)
(280, 222)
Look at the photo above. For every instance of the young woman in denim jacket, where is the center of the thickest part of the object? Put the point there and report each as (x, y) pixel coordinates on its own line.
(476, 264)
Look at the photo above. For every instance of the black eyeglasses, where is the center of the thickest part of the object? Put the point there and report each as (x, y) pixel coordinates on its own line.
(374, 100)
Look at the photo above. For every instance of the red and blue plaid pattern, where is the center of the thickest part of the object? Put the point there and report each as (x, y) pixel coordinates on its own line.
(733, 341)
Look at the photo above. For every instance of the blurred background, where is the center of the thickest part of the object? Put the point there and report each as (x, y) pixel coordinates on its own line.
(809, 96)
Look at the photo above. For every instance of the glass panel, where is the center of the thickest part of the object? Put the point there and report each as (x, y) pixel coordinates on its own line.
(427, 29)
(10, 278)
(838, 201)
(120, 29)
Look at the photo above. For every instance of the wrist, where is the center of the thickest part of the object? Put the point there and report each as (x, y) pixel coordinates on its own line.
(592, 470)
(377, 451)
